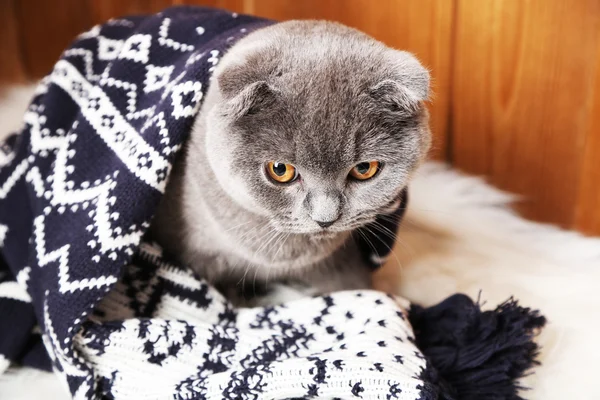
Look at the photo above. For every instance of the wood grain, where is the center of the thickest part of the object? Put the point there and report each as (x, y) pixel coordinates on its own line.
(423, 27)
(587, 210)
(521, 80)
(46, 32)
(233, 5)
(11, 64)
(103, 10)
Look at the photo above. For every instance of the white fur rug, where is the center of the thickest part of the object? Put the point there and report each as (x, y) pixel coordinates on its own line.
(460, 236)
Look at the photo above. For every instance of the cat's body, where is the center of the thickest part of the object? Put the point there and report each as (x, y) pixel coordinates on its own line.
(316, 96)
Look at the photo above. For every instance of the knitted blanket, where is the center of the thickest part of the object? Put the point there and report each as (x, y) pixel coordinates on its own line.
(83, 293)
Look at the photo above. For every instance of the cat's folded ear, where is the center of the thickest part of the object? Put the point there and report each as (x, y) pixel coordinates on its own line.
(405, 86)
(244, 92)
(252, 99)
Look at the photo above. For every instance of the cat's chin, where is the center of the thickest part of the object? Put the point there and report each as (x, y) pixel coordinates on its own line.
(324, 235)
(311, 234)
(315, 247)
(317, 235)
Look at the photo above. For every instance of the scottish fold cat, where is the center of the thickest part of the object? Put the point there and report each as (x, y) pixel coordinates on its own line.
(309, 130)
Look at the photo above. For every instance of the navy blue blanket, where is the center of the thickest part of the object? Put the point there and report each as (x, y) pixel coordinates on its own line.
(86, 172)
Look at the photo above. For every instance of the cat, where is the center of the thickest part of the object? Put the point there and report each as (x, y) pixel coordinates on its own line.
(308, 131)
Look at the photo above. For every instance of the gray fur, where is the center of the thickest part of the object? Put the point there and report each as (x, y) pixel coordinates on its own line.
(320, 96)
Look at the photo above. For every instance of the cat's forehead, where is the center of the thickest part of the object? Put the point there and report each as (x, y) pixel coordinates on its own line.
(321, 140)
(319, 129)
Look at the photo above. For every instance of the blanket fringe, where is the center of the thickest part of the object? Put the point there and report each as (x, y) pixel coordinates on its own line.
(478, 354)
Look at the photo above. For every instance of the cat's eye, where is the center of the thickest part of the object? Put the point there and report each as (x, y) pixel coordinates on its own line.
(280, 172)
(365, 170)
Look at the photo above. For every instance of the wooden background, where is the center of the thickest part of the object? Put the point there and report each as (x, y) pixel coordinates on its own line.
(516, 82)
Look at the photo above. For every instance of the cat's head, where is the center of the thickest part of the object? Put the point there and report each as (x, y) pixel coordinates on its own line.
(317, 126)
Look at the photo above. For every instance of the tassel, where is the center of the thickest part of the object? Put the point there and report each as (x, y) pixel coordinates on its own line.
(477, 355)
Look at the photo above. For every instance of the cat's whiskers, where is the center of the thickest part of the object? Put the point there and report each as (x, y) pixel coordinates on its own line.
(423, 209)
(255, 232)
(386, 231)
(366, 238)
(391, 250)
(360, 220)
(284, 239)
(294, 228)
(358, 224)
(249, 263)
(237, 226)
(255, 229)
(408, 225)
(259, 250)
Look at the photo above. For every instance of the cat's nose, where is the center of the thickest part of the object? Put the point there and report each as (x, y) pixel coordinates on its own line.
(324, 208)
(325, 224)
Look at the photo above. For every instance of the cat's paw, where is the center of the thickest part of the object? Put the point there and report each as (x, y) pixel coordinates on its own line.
(280, 293)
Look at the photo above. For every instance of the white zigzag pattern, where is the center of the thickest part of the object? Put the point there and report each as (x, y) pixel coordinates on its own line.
(130, 90)
(61, 256)
(88, 60)
(159, 121)
(139, 157)
(10, 182)
(61, 195)
(169, 86)
(17, 289)
(104, 79)
(166, 41)
(12, 290)
(35, 178)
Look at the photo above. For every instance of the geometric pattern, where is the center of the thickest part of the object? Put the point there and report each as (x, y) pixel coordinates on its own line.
(183, 340)
(108, 49)
(79, 183)
(156, 77)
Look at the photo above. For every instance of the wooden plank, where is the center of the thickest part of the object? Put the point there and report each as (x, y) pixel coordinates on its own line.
(423, 27)
(11, 66)
(46, 28)
(233, 5)
(587, 217)
(103, 10)
(522, 72)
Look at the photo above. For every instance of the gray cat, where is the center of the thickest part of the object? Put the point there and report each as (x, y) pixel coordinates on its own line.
(309, 130)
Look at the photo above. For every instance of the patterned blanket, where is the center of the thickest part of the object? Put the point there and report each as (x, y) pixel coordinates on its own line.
(83, 294)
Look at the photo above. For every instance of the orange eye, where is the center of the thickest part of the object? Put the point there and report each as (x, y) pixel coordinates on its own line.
(280, 172)
(365, 170)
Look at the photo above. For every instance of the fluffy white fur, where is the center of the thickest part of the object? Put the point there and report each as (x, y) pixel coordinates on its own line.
(13, 103)
(460, 236)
